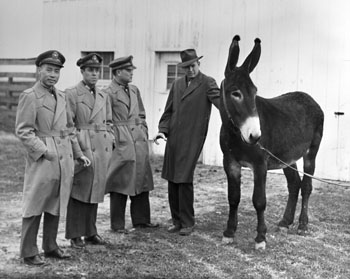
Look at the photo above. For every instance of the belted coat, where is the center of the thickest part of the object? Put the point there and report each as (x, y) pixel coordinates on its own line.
(185, 122)
(129, 172)
(41, 125)
(92, 118)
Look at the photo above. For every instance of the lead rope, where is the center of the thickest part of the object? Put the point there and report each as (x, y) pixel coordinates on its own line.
(301, 172)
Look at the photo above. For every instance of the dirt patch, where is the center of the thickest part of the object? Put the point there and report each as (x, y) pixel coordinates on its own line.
(154, 253)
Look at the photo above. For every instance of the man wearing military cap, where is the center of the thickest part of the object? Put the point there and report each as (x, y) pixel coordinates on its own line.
(42, 126)
(129, 173)
(184, 124)
(92, 117)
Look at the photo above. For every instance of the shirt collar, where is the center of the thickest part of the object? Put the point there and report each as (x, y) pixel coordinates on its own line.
(93, 89)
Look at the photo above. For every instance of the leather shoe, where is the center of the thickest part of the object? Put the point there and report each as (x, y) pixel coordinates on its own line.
(58, 254)
(174, 228)
(34, 260)
(146, 225)
(95, 240)
(77, 243)
(186, 231)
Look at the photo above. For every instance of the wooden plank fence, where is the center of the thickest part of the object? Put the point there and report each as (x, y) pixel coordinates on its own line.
(13, 83)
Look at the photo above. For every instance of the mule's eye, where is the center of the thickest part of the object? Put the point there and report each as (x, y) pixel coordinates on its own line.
(236, 95)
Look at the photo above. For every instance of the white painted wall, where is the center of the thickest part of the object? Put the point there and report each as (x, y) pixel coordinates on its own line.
(20, 28)
(305, 46)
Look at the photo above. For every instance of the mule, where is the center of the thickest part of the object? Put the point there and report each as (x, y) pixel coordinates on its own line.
(289, 126)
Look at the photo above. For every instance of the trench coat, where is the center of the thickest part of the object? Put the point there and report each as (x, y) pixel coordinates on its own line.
(185, 123)
(41, 125)
(92, 118)
(129, 172)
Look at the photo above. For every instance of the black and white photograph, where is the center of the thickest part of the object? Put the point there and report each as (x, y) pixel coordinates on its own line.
(194, 139)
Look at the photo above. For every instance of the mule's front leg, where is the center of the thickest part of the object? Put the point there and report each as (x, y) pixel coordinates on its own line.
(259, 201)
(233, 172)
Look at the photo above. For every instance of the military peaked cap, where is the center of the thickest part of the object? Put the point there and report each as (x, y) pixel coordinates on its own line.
(52, 57)
(122, 63)
(90, 60)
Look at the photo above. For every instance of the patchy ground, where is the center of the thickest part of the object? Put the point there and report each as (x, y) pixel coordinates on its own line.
(154, 253)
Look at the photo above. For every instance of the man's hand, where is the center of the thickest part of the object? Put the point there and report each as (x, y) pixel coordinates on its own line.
(50, 156)
(84, 160)
(159, 136)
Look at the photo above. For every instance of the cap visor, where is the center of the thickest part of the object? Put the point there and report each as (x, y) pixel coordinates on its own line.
(52, 63)
(91, 65)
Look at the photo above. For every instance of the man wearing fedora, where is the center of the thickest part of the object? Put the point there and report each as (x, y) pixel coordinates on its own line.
(129, 173)
(42, 126)
(91, 114)
(184, 124)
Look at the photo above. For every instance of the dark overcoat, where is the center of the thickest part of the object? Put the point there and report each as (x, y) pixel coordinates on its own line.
(129, 172)
(92, 117)
(41, 124)
(185, 122)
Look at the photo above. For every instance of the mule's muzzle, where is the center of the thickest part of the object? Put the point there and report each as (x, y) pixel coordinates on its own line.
(254, 139)
(250, 130)
(251, 140)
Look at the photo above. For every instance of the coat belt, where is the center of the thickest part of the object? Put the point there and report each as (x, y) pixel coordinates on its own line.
(136, 121)
(96, 127)
(53, 133)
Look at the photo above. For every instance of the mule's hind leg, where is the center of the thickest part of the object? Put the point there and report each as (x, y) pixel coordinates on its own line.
(306, 184)
(293, 184)
(306, 189)
(233, 172)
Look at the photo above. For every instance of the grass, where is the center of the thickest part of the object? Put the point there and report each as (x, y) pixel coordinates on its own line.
(154, 253)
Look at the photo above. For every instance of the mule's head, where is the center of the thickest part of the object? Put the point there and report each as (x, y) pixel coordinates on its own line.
(239, 93)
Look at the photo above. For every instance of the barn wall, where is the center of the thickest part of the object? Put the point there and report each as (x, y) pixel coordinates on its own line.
(305, 46)
(20, 28)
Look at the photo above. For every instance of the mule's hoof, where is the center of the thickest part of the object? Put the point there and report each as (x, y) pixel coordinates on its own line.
(260, 246)
(227, 240)
(283, 230)
(284, 224)
(302, 232)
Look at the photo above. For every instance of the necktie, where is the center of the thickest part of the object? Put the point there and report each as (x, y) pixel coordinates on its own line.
(189, 82)
(126, 88)
(93, 90)
(53, 93)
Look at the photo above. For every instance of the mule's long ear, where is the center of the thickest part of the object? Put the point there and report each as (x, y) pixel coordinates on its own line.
(253, 58)
(232, 55)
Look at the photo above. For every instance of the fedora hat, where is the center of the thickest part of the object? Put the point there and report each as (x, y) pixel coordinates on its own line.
(188, 56)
